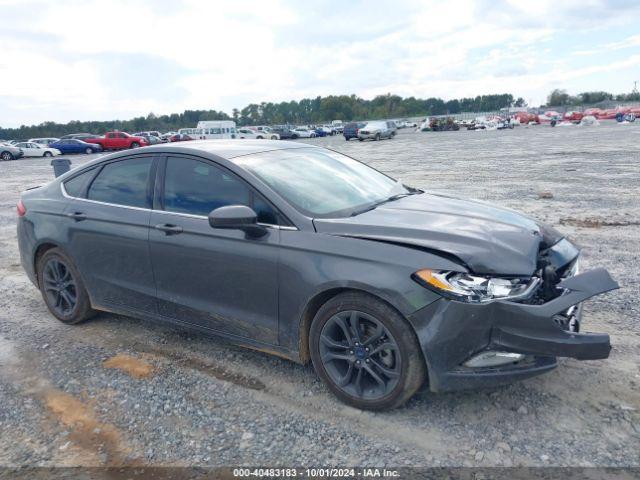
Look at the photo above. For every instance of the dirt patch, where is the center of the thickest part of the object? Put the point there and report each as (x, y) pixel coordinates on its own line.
(597, 222)
(87, 432)
(215, 371)
(131, 365)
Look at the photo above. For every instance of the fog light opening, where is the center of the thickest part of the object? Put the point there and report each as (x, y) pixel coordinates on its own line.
(493, 359)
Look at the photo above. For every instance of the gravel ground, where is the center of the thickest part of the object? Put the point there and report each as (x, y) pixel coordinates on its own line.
(116, 390)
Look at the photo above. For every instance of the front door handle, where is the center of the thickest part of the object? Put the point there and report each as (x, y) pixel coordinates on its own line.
(168, 228)
(77, 216)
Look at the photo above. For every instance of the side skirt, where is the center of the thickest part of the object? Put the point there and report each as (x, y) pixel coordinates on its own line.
(276, 350)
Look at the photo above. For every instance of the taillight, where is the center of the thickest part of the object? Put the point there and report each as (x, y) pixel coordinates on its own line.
(22, 210)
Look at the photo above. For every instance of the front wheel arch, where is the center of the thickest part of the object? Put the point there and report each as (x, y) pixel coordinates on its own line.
(314, 304)
(415, 373)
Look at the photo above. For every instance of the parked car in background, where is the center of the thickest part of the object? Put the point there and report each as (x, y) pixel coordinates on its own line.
(118, 140)
(325, 130)
(73, 145)
(377, 130)
(285, 133)
(256, 134)
(79, 136)
(350, 130)
(152, 133)
(180, 137)
(33, 149)
(44, 141)
(165, 136)
(153, 140)
(10, 152)
(304, 132)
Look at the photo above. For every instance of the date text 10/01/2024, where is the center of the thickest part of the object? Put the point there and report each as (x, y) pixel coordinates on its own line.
(316, 472)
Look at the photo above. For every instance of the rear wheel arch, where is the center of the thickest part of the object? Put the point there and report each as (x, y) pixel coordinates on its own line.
(44, 248)
(40, 251)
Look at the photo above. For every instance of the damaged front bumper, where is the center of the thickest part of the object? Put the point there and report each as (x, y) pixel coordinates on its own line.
(451, 333)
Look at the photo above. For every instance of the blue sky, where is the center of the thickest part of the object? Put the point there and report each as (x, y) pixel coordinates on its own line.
(97, 60)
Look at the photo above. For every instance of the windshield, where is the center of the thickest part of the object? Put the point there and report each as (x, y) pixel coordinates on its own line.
(321, 183)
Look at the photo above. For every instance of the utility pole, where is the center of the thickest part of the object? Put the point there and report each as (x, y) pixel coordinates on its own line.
(635, 86)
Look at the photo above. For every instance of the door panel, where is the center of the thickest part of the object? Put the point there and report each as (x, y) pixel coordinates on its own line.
(111, 248)
(109, 235)
(214, 278)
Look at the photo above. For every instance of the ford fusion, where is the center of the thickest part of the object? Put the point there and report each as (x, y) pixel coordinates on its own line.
(309, 254)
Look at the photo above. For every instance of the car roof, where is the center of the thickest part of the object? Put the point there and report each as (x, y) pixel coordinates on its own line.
(227, 149)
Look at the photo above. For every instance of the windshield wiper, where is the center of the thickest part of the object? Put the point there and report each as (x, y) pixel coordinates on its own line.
(391, 198)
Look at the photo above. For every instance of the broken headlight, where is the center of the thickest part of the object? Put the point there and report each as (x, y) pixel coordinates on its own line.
(469, 288)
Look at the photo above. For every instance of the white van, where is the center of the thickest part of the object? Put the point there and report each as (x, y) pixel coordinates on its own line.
(211, 129)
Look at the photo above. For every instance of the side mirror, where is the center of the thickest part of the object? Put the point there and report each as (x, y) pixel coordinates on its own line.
(237, 217)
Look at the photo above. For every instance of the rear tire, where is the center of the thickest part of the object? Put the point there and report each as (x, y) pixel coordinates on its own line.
(62, 288)
(366, 352)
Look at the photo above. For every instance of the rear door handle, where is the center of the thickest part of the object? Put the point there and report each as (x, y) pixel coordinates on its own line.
(168, 228)
(77, 216)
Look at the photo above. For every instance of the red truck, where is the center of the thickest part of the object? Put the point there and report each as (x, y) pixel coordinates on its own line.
(118, 140)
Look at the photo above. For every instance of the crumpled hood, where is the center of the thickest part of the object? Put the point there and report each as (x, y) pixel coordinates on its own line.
(488, 239)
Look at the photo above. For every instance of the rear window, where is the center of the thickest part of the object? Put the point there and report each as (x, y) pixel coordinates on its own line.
(123, 183)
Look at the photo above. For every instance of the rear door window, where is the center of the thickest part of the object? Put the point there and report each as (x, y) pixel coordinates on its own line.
(123, 183)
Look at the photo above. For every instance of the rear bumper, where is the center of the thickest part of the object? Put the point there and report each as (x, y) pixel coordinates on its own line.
(452, 332)
(368, 136)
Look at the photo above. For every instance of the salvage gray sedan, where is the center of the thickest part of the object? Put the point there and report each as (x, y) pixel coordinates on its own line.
(309, 254)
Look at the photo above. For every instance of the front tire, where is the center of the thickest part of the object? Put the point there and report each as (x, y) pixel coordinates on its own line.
(135, 144)
(62, 288)
(366, 352)
(377, 137)
(6, 156)
(48, 154)
(88, 151)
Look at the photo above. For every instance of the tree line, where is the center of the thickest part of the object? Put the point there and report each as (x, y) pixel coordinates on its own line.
(313, 111)
(305, 111)
(560, 98)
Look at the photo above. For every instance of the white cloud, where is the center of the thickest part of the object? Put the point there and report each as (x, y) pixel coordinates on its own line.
(91, 60)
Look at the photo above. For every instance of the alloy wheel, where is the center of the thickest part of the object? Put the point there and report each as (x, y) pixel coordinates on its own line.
(59, 287)
(360, 355)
